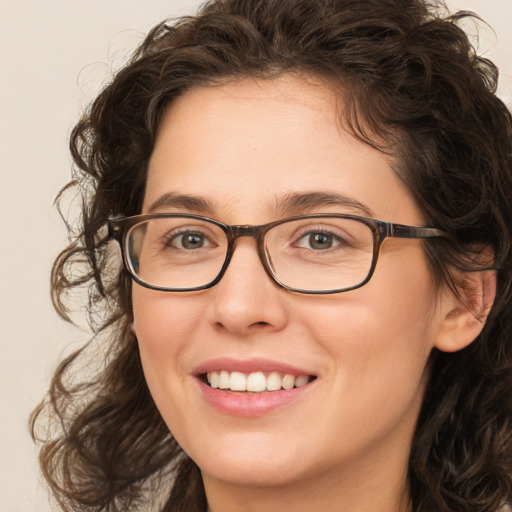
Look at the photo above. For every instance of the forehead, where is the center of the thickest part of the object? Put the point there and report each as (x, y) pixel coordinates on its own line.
(244, 145)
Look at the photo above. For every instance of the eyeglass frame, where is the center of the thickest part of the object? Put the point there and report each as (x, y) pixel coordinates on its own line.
(119, 226)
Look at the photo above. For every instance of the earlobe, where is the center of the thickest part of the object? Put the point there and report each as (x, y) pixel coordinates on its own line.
(463, 316)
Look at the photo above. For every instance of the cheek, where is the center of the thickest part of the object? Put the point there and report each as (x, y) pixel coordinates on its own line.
(163, 325)
(378, 338)
(396, 305)
(162, 319)
(372, 344)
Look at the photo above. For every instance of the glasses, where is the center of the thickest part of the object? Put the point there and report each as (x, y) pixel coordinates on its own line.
(312, 254)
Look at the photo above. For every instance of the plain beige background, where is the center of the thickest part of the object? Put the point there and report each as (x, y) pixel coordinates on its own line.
(54, 56)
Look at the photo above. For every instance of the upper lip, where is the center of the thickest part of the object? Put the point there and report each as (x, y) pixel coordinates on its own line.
(249, 366)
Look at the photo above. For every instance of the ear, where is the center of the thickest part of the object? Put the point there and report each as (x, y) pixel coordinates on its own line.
(463, 315)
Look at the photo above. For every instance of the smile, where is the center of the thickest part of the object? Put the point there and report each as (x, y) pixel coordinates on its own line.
(254, 387)
(255, 382)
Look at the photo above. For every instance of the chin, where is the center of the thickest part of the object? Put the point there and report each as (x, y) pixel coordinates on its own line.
(249, 473)
(252, 461)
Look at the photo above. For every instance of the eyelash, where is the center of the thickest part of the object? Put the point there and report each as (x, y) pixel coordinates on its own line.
(169, 238)
(337, 240)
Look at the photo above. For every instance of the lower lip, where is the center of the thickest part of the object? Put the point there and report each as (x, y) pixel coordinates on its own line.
(251, 404)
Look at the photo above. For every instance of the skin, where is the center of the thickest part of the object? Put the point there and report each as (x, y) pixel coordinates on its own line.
(343, 446)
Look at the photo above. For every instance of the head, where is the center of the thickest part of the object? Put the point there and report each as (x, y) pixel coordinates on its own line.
(400, 92)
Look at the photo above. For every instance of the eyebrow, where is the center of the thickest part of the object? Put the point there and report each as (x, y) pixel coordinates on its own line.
(182, 201)
(291, 203)
(307, 201)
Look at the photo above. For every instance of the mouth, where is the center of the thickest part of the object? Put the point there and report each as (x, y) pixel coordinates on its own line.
(253, 387)
(254, 382)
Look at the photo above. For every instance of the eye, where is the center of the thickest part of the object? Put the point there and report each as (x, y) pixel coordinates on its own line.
(318, 240)
(189, 240)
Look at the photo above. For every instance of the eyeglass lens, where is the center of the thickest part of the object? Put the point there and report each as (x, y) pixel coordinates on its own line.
(311, 254)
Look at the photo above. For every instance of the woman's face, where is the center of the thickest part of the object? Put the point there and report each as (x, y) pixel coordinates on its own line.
(242, 149)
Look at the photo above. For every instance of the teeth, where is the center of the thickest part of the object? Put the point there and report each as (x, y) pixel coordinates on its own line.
(255, 382)
(288, 382)
(237, 381)
(224, 380)
(274, 382)
(301, 380)
(213, 379)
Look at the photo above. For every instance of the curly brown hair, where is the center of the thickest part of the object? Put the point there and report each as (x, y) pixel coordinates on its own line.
(414, 87)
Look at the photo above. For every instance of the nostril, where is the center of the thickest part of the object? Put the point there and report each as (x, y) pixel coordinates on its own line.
(260, 323)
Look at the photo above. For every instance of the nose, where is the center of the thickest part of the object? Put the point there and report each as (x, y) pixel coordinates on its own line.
(247, 300)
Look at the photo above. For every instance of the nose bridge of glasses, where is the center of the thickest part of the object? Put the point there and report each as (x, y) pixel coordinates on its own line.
(245, 230)
(254, 232)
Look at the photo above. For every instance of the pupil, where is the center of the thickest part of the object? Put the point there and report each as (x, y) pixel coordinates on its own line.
(192, 241)
(320, 241)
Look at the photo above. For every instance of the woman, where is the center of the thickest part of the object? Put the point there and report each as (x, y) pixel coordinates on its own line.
(313, 201)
